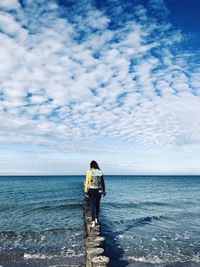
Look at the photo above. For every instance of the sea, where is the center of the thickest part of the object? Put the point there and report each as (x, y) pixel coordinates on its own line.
(147, 221)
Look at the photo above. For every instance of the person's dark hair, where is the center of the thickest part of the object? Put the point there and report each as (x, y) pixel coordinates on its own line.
(94, 165)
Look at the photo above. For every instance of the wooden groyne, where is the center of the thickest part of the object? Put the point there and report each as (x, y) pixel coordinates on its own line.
(94, 242)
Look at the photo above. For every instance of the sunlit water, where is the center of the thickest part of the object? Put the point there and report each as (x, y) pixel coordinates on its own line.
(152, 220)
(41, 221)
(147, 221)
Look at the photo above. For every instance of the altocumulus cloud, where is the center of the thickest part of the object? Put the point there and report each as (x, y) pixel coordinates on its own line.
(75, 72)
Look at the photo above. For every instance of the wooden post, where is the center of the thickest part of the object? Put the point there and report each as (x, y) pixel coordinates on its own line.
(94, 242)
(100, 261)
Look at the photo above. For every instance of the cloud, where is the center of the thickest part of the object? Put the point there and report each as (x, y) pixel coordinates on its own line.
(73, 75)
(9, 5)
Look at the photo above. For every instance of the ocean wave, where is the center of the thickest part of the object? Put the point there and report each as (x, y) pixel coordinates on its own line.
(66, 254)
(35, 235)
(9, 234)
(135, 205)
(15, 254)
(40, 207)
(151, 218)
(157, 260)
(141, 220)
(145, 260)
(58, 207)
(28, 256)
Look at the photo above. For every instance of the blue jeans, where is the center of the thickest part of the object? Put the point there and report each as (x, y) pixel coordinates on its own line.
(95, 198)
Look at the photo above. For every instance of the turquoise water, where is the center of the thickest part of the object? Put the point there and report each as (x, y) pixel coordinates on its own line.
(152, 220)
(41, 221)
(147, 221)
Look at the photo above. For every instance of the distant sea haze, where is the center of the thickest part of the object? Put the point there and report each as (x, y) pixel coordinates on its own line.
(147, 220)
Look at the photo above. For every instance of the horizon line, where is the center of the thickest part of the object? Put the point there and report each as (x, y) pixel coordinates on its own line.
(46, 175)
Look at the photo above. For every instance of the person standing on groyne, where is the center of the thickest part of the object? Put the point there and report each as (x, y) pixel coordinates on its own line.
(94, 188)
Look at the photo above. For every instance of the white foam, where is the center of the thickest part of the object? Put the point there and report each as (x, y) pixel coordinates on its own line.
(156, 260)
(37, 256)
(146, 260)
(43, 238)
(71, 254)
(196, 258)
(63, 254)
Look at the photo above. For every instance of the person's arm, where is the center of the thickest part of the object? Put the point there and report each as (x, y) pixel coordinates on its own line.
(87, 181)
(103, 185)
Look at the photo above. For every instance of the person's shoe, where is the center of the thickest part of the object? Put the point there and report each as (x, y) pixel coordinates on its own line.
(96, 222)
(93, 223)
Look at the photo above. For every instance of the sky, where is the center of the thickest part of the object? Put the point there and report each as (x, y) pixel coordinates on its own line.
(116, 81)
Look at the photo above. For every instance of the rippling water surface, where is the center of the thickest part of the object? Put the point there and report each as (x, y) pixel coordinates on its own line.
(152, 220)
(147, 221)
(41, 221)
